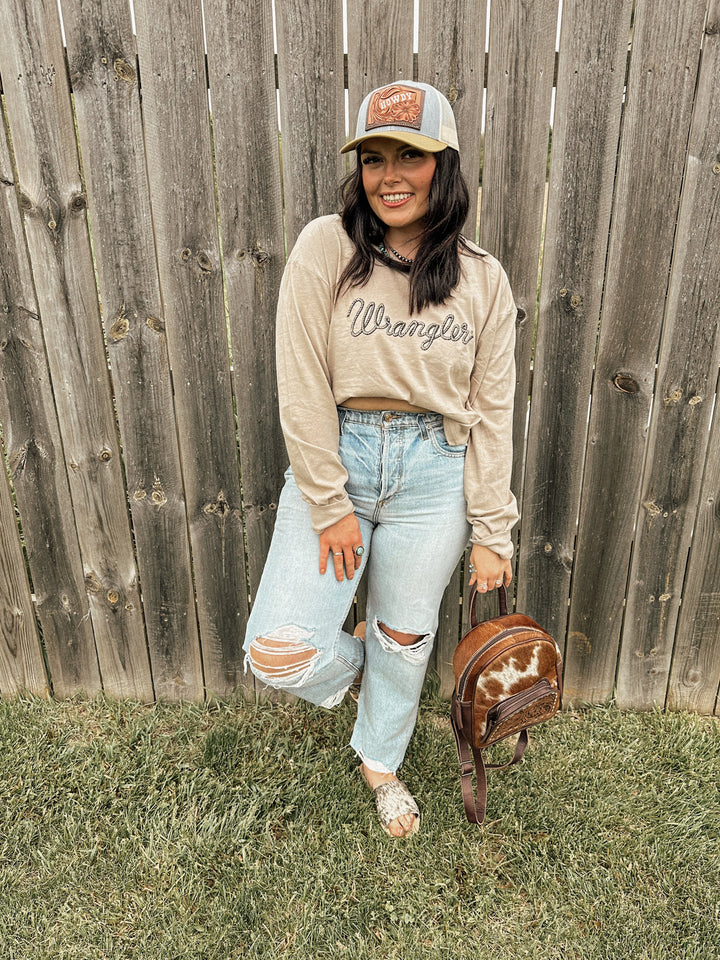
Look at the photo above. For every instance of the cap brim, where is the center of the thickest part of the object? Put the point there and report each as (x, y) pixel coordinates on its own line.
(404, 136)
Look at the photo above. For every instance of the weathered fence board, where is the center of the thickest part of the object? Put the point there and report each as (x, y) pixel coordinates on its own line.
(451, 37)
(380, 47)
(451, 41)
(34, 448)
(517, 125)
(101, 54)
(591, 72)
(695, 673)
(180, 172)
(656, 125)
(32, 63)
(312, 110)
(520, 78)
(687, 376)
(245, 134)
(21, 663)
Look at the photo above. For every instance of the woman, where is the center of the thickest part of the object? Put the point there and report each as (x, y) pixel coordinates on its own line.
(395, 342)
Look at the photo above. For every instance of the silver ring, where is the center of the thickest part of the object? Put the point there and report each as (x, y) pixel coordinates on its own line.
(359, 551)
(337, 553)
(472, 568)
(483, 583)
(498, 582)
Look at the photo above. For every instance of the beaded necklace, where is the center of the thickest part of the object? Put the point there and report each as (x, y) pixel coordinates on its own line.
(384, 249)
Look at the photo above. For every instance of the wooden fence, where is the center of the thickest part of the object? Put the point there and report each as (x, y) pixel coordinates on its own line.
(145, 213)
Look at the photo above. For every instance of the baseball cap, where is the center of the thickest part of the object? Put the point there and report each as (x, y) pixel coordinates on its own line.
(411, 112)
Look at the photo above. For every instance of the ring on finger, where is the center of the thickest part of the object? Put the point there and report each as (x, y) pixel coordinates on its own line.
(473, 568)
(483, 583)
(359, 550)
(337, 553)
(498, 582)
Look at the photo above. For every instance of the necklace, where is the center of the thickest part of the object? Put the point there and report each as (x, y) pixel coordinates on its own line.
(401, 258)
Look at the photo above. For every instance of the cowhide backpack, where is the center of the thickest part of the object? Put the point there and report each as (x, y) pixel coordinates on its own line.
(508, 677)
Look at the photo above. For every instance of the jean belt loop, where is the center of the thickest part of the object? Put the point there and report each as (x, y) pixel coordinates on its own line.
(342, 413)
(422, 425)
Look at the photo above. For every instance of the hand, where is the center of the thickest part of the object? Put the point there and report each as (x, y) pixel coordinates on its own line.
(341, 540)
(490, 569)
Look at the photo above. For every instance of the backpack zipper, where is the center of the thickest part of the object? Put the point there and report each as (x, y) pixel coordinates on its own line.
(508, 632)
(513, 704)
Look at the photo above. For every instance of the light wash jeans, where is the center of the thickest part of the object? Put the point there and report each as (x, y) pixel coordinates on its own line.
(406, 484)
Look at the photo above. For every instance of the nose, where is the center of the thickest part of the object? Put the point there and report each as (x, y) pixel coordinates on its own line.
(391, 172)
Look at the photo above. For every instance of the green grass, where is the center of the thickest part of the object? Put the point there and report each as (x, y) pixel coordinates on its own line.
(244, 831)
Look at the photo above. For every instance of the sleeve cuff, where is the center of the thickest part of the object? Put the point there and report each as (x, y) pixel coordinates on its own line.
(501, 544)
(326, 514)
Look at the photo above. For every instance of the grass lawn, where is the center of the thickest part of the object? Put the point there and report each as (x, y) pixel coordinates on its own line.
(230, 831)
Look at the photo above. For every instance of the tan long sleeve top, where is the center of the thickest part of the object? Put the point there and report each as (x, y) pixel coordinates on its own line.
(456, 359)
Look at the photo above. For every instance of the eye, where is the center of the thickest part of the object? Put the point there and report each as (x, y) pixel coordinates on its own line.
(367, 158)
(412, 153)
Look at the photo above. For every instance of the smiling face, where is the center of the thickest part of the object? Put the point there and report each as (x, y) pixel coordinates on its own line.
(397, 178)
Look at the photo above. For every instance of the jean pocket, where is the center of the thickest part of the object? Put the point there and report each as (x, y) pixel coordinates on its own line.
(441, 445)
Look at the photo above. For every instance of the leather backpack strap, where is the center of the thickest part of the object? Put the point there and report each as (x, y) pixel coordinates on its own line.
(476, 805)
(474, 808)
(469, 756)
(520, 746)
(502, 597)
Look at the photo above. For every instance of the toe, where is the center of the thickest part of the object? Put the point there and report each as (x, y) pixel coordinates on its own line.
(402, 825)
(408, 822)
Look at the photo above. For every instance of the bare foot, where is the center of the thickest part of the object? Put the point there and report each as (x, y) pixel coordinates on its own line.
(402, 825)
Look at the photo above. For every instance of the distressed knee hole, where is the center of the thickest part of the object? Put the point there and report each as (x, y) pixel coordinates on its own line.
(282, 656)
(403, 638)
(412, 647)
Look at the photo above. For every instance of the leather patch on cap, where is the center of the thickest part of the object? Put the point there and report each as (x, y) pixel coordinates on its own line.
(396, 106)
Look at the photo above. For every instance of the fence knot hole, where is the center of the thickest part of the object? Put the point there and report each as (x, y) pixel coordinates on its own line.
(156, 324)
(119, 327)
(204, 262)
(124, 71)
(219, 507)
(92, 583)
(626, 384)
(158, 494)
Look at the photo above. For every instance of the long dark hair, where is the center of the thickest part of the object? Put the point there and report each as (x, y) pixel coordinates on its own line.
(435, 271)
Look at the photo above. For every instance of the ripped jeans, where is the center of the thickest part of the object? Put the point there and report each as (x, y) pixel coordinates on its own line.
(406, 485)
